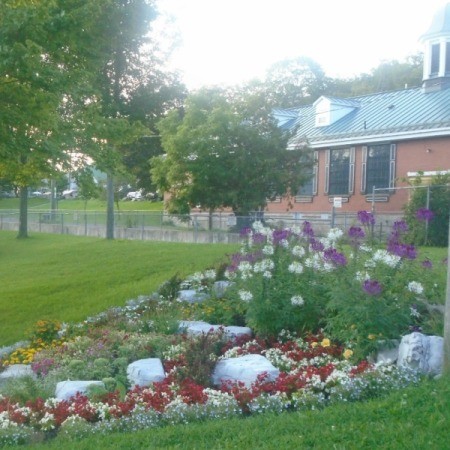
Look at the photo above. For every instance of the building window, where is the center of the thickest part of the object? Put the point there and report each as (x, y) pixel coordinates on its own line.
(447, 59)
(378, 167)
(339, 176)
(435, 58)
(309, 188)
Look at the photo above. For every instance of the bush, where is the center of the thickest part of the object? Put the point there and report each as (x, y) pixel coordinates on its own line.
(290, 280)
(428, 224)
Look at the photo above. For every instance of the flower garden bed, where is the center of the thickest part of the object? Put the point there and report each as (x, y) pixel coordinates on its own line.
(318, 311)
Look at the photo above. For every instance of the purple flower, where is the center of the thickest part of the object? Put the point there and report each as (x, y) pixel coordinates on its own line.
(316, 245)
(366, 218)
(245, 232)
(405, 251)
(424, 214)
(280, 235)
(400, 227)
(356, 233)
(427, 264)
(331, 254)
(307, 229)
(259, 238)
(372, 287)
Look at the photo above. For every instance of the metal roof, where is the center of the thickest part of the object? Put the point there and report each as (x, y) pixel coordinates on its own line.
(440, 24)
(397, 115)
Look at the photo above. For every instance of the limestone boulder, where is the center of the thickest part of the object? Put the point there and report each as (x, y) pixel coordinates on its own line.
(191, 296)
(144, 372)
(67, 389)
(245, 369)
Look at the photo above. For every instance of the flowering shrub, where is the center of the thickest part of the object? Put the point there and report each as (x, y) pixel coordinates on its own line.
(279, 274)
(289, 279)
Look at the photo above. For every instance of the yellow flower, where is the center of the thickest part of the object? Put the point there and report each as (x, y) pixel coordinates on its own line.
(325, 343)
(314, 344)
(347, 353)
(372, 336)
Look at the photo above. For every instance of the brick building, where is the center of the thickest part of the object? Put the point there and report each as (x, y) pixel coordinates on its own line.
(374, 141)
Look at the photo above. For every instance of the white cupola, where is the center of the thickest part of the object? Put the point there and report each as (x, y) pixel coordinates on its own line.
(436, 64)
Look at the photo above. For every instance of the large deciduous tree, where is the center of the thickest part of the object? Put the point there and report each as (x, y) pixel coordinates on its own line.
(224, 154)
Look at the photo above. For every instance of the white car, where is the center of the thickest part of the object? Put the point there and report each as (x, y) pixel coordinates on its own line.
(69, 193)
(134, 196)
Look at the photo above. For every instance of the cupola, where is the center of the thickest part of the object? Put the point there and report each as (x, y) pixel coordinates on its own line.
(436, 64)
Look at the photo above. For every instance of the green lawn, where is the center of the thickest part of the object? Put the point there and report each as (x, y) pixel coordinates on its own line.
(416, 418)
(80, 205)
(69, 278)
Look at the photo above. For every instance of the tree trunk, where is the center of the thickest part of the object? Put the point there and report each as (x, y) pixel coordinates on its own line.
(210, 219)
(23, 213)
(447, 316)
(109, 206)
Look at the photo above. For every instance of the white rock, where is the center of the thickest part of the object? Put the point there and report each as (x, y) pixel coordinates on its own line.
(195, 328)
(191, 296)
(144, 372)
(233, 331)
(245, 369)
(219, 287)
(422, 353)
(67, 389)
(16, 371)
(201, 328)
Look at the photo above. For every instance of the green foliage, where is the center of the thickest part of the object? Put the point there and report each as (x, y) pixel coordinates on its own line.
(45, 331)
(435, 231)
(200, 353)
(226, 311)
(23, 389)
(223, 153)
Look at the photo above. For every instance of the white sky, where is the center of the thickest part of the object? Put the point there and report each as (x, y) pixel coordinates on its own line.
(232, 41)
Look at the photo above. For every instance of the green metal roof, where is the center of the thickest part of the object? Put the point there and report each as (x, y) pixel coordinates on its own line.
(398, 115)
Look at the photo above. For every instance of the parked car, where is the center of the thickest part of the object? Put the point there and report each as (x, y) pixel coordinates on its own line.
(69, 193)
(41, 194)
(134, 196)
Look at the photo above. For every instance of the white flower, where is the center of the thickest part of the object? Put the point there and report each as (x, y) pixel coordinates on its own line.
(245, 296)
(267, 274)
(297, 300)
(415, 287)
(362, 276)
(295, 267)
(298, 250)
(210, 274)
(264, 266)
(268, 250)
(385, 257)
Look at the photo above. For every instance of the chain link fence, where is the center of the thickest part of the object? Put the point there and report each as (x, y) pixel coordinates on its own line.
(196, 227)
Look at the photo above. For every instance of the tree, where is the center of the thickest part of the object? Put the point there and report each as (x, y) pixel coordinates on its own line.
(129, 74)
(223, 154)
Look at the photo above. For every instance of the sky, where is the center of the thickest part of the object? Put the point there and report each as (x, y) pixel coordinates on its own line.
(227, 42)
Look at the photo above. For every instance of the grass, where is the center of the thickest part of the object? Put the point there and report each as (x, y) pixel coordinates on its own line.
(68, 278)
(80, 205)
(415, 418)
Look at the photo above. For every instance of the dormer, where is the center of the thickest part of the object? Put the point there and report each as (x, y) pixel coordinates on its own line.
(329, 110)
(436, 64)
